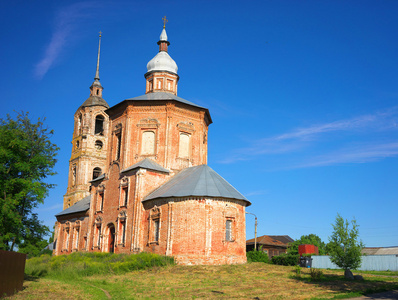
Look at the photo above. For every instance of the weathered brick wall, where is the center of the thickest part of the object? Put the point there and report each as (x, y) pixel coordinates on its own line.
(71, 233)
(193, 230)
(140, 183)
(167, 121)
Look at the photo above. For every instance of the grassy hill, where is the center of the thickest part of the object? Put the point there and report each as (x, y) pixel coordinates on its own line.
(159, 278)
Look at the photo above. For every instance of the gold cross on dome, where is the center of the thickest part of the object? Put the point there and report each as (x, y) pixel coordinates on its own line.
(164, 21)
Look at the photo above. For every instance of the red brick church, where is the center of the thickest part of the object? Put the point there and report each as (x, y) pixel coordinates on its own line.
(139, 180)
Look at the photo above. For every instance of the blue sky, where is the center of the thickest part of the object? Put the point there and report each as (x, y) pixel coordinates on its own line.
(303, 95)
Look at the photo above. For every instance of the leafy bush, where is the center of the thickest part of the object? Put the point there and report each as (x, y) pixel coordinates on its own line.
(285, 259)
(316, 274)
(257, 256)
(86, 264)
(297, 269)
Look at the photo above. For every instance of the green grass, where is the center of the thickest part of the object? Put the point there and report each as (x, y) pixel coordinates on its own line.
(156, 277)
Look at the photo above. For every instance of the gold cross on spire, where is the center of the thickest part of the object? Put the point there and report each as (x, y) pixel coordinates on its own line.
(100, 33)
(164, 21)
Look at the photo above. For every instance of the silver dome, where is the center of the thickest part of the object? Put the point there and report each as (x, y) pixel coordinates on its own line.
(162, 62)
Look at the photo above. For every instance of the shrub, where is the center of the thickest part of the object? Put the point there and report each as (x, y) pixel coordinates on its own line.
(316, 274)
(285, 259)
(257, 256)
(297, 269)
(86, 264)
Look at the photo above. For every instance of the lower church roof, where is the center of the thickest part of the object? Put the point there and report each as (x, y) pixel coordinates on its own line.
(80, 206)
(200, 181)
(147, 164)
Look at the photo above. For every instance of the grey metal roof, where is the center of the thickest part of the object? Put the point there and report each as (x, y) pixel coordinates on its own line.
(80, 206)
(147, 164)
(163, 96)
(197, 181)
(98, 178)
(95, 101)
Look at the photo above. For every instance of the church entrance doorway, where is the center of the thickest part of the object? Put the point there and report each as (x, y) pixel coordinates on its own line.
(111, 239)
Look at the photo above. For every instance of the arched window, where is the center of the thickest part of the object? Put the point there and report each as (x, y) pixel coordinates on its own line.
(96, 172)
(99, 125)
(148, 143)
(184, 145)
(79, 124)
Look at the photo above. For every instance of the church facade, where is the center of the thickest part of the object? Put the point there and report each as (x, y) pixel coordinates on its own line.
(139, 180)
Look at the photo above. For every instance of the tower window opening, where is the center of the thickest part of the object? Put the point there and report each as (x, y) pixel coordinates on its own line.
(98, 145)
(97, 92)
(74, 175)
(96, 172)
(79, 124)
(118, 145)
(151, 85)
(99, 125)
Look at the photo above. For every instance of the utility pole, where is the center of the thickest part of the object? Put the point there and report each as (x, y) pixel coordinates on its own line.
(255, 230)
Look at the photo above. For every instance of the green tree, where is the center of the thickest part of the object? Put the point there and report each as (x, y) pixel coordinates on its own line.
(310, 239)
(27, 158)
(344, 245)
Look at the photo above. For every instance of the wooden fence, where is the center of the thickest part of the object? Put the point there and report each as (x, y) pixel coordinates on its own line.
(12, 267)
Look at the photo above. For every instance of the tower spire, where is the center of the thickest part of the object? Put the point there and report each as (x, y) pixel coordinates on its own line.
(98, 59)
(96, 88)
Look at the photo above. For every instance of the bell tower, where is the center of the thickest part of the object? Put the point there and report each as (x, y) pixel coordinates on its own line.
(89, 142)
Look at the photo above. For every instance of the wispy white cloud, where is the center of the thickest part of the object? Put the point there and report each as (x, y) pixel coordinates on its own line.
(256, 193)
(378, 121)
(310, 137)
(65, 23)
(359, 154)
